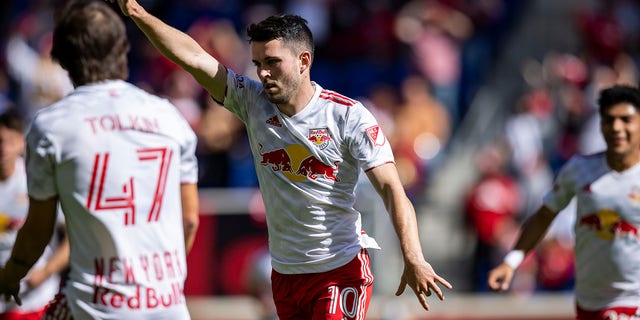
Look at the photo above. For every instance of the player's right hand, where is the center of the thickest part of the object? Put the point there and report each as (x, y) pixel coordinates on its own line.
(126, 6)
(9, 289)
(500, 277)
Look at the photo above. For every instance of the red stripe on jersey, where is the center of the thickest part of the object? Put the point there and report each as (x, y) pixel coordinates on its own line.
(337, 98)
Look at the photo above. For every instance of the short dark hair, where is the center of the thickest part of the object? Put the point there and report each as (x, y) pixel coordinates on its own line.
(290, 28)
(90, 42)
(619, 94)
(10, 119)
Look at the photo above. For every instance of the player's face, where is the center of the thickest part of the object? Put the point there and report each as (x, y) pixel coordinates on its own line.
(278, 69)
(620, 126)
(11, 147)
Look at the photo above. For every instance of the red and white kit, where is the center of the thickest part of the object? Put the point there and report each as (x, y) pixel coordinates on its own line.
(14, 203)
(607, 224)
(116, 156)
(308, 166)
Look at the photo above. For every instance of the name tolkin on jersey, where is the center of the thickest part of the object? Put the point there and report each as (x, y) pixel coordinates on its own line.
(319, 137)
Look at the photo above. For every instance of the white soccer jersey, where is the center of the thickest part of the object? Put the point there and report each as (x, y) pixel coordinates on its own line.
(14, 203)
(308, 166)
(116, 155)
(607, 247)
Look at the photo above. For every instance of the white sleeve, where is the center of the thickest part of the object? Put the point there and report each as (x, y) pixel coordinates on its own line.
(40, 163)
(367, 142)
(563, 188)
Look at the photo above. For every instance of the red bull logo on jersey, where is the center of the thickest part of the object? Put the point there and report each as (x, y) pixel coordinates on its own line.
(320, 137)
(634, 196)
(607, 224)
(297, 164)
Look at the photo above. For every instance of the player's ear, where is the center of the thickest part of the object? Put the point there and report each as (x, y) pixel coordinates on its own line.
(305, 61)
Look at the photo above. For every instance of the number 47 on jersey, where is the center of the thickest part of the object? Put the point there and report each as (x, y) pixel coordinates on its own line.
(97, 201)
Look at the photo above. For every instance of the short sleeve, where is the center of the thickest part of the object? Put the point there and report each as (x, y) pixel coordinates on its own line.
(242, 93)
(40, 164)
(563, 189)
(367, 142)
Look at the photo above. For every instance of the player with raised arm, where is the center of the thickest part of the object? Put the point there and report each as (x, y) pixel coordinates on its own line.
(121, 163)
(309, 145)
(607, 188)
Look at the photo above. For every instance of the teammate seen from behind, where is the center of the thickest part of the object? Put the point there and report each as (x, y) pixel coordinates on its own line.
(121, 163)
(43, 281)
(607, 241)
(309, 145)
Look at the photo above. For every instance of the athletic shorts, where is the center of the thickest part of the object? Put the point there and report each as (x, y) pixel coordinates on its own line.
(614, 313)
(58, 309)
(17, 315)
(342, 293)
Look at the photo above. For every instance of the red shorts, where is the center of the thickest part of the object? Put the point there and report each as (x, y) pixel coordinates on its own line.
(615, 313)
(58, 309)
(342, 293)
(16, 315)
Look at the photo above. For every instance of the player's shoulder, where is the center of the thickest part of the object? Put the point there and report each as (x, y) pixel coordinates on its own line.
(583, 163)
(333, 97)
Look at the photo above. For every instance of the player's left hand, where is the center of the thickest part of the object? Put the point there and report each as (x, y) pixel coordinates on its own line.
(422, 279)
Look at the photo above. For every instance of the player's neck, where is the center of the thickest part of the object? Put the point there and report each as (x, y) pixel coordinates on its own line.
(6, 172)
(620, 162)
(300, 100)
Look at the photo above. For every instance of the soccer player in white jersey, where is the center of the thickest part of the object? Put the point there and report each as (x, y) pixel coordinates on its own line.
(607, 188)
(43, 281)
(309, 145)
(122, 164)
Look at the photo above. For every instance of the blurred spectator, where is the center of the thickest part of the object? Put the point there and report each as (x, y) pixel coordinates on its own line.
(492, 205)
(525, 135)
(435, 33)
(421, 132)
(40, 80)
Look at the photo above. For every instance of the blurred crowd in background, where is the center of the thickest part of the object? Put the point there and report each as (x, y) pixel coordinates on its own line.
(417, 64)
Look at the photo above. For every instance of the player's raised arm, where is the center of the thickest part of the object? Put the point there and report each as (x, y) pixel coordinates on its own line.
(179, 48)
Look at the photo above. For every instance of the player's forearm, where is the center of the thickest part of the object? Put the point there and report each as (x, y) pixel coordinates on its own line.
(171, 42)
(27, 250)
(190, 213)
(405, 224)
(33, 237)
(534, 229)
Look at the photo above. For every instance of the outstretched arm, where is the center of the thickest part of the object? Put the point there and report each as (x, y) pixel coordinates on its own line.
(179, 48)
(30, 243)
(533, 230)
(418, 273)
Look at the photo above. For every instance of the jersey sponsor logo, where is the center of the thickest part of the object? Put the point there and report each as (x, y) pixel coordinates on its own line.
(607, 224)
(319, 137)
(297, 164)
(158, 267)
(634, 196)
(376, 136)
(239, 81)
(274, 121)
(337, 98)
